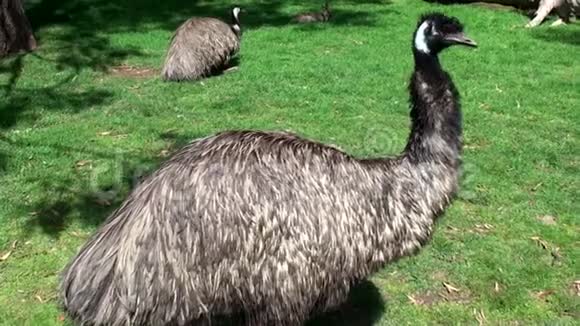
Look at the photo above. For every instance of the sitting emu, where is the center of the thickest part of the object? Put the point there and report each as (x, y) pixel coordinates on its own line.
(202, 46)
(271, 227)
(314, 17)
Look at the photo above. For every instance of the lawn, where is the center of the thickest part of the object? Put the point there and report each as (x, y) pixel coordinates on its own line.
(85, 116)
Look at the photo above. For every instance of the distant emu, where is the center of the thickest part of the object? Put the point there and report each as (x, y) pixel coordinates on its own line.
(202, 46)
(314, 17)
(565, 9)
(271, 227)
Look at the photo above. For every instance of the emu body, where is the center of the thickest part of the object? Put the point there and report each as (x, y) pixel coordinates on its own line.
(200, 47)
(269, 226)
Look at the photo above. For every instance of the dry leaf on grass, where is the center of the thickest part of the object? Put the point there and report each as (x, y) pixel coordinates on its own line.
(544, 244)
(163, 153)
(484, 106)
(537, 186)
(5, 256)
(14, 243)
(39, 298)
(413, 300)
(479, 316)
(450, 288)
(452, 228)
(81, 163)
(104, 133)
(78, 235)
(496, 287)
(482, 228)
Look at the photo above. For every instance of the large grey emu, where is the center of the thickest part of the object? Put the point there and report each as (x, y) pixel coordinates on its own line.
(270, 226)
(202, 46)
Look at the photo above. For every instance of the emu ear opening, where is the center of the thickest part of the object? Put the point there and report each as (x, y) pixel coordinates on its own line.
(460, 38)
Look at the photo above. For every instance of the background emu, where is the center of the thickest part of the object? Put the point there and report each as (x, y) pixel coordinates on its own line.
(269, 225)
(565, 9)
(313, 17)
(201, 47)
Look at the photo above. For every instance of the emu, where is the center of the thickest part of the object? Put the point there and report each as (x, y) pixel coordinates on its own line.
(313, 17)
(566, 10)
(202, 46)
(270, 226)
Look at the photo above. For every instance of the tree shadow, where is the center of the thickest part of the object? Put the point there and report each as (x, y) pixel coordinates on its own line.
(3, 162)
(559, 34)
(11, 66)
(84, 23)
(23, 100)
(85, 197)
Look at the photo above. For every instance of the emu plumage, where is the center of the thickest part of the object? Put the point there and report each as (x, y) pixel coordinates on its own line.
(200, 47)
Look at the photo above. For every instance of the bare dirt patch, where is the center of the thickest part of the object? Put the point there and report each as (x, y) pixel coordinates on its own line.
(127, 71)
(493, 6)
(425, 299)
(448, 293)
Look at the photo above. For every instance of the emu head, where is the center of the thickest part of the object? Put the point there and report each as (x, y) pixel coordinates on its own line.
(436, 32)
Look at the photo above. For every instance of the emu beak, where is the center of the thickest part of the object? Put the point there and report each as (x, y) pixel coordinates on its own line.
(460, 38)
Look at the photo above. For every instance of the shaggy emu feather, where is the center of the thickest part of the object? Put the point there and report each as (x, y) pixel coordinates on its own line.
(270, 226)
(202, 46)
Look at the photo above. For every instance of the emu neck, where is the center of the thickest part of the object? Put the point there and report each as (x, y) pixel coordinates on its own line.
(435, 113)
(236, 27)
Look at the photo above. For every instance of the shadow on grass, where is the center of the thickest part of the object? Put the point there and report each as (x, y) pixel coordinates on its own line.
(364, 307)
(89, 205)
(93, 192)
(560, 34)
(3, 162)
(22, 102)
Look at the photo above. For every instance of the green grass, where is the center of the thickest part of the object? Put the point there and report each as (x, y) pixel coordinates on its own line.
(69, 130)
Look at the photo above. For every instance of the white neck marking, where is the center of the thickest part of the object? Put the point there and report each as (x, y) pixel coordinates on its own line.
(420, 39)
